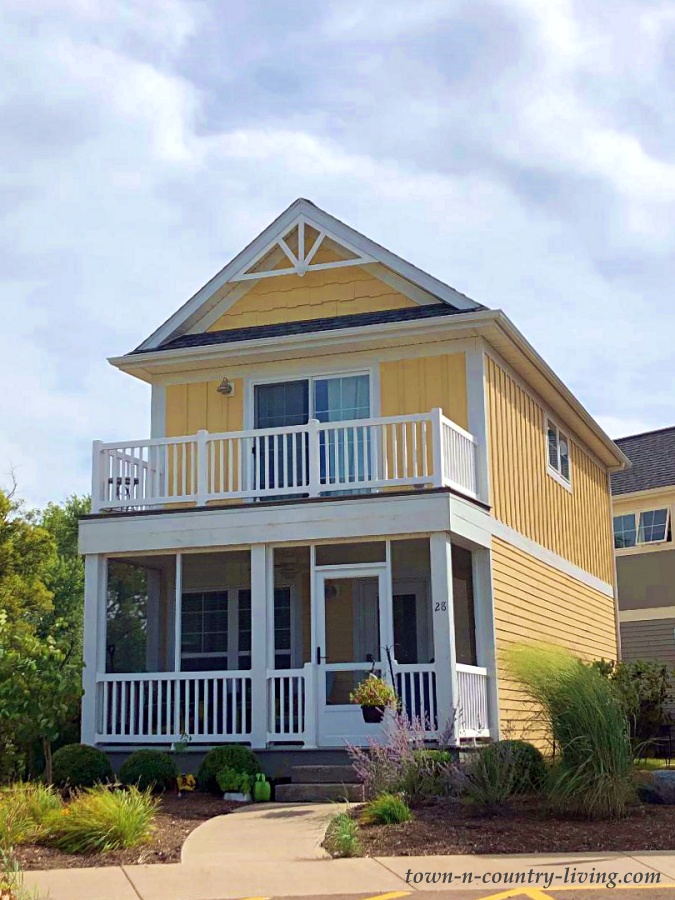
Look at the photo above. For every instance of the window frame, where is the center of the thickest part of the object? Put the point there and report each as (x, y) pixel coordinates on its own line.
(556, 473)
(637, 523)
(233, 652)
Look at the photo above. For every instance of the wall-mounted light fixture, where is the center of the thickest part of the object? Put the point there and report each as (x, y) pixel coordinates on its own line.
(226, 387)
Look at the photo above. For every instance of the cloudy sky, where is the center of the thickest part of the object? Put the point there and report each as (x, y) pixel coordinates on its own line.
(523, 151)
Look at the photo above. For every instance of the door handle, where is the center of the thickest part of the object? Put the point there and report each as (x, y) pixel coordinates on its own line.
(318, 656)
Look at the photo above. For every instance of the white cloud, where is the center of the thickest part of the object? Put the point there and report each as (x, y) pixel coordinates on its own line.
(132, 172)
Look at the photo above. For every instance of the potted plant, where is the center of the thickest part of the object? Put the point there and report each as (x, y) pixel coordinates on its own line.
(236, 786)
(262, 789)
(373, 695)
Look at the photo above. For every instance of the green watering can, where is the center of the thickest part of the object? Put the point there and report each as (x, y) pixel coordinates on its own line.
(262, 789)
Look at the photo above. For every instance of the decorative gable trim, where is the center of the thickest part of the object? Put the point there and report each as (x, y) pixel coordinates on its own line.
(343, 240)
(300, 246)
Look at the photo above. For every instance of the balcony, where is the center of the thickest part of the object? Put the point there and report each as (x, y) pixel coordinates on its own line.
(319, 459)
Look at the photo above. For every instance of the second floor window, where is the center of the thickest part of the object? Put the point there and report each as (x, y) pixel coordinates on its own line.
(649, 527)
(558, 449)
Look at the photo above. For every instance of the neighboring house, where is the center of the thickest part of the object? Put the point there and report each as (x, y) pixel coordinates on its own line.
(352, 466)
(644, 497)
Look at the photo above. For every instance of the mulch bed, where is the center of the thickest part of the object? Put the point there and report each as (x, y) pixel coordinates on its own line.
(448, 827)
(176, 818)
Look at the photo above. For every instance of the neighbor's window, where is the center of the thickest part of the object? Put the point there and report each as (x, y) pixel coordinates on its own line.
(650, 527)
(558, 450)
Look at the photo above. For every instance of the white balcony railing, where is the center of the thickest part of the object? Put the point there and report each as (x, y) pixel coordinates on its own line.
(317, 459)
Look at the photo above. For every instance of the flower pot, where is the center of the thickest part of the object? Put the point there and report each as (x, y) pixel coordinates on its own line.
(236, 797)
(372, 714)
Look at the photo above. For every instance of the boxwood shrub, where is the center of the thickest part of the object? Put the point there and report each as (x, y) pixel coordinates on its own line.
(149, 769)
(529, 767)
(228, 756)
(79, 765)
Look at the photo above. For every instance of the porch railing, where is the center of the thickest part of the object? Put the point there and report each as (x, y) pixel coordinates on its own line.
(472, 702)
(290, 705)
(416, 689)
(317, 459)
(160, 707)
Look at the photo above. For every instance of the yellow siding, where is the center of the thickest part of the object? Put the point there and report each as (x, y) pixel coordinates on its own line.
(576, 525)
(418, 385)
(317, 295)
(190, 407)
(535, 603)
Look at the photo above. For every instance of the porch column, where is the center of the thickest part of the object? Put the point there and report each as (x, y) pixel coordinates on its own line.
(444, 629)
(486, 642)
(94, 638)
(259, 614)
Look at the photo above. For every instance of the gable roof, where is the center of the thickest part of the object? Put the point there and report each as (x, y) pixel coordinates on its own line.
(240, 273)
(305, 326)
(652, 454)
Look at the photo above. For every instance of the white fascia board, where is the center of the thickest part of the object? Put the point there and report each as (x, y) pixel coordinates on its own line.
(304, 522)
(180, 321)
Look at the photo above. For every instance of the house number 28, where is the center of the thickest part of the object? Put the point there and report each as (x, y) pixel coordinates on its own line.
(441, 606)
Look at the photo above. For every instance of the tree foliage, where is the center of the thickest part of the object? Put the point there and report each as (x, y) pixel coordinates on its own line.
(41, 602)
(645, 689)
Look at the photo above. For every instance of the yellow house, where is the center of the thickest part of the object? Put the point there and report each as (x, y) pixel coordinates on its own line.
(352, 467)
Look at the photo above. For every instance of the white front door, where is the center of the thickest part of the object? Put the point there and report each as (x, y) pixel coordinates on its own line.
(353, 632)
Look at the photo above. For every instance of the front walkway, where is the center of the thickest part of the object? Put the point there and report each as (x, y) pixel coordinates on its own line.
(273, 850)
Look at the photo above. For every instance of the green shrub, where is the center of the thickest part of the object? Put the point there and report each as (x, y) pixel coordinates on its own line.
(342, 837)
(427, 774)
(387, 809)
(529, 767)
(645, 689)
(490, 779)
(594, 777)
(79, 765)
(24, 813)
(100, 819)
(231, 781)
(229, 756)
(149, 769)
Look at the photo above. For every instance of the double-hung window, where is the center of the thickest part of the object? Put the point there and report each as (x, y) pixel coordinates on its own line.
(558, 452)
(649, 527)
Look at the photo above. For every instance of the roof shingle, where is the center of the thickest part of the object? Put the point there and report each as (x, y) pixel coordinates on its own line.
(306, 326)
(653, 457)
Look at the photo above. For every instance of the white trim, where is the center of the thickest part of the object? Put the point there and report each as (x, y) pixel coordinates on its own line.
(557, 474)
(158, 411)
(360, 358)
(516, 539)
(400, 284)
(478, 418)
(652, 614)
(178, 615)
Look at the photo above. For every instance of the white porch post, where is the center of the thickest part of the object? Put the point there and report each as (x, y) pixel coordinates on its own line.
(444, 629)
(259, 638)
(178, 607)
(94, 636)
(486, 642)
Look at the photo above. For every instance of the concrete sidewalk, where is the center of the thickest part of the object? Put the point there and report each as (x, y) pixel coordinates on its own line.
(274, 851)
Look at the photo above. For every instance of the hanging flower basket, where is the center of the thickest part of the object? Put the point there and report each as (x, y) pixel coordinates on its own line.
(372, 714)
(373, 695)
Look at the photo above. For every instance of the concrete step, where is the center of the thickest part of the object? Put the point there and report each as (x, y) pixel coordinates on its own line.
(318, 793)
(322, 774)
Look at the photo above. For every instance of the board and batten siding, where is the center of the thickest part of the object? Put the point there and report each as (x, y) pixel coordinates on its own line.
(574, 524)
(420, 384)
(535, 603)
(190, 407)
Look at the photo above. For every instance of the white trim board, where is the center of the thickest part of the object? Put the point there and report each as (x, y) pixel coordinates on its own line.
(543, 554)
(652, 614)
